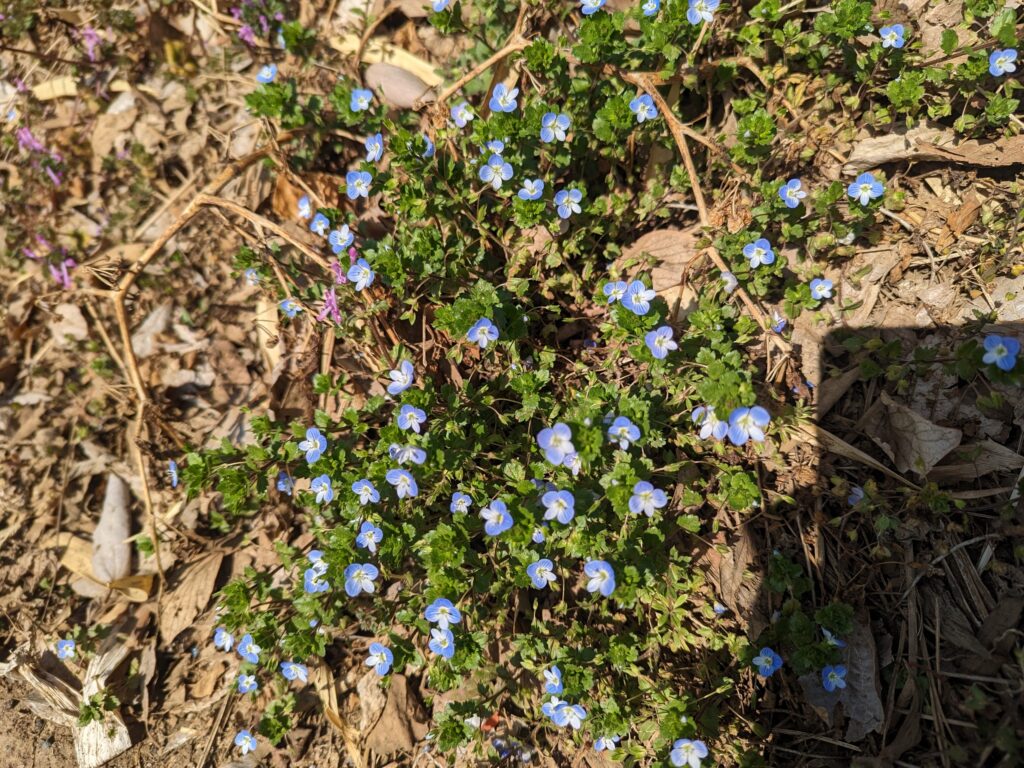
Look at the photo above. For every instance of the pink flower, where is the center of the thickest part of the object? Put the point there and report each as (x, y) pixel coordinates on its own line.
(60, 273)
(246, 35)
(339, 273)
(27, 141)
(330, 308)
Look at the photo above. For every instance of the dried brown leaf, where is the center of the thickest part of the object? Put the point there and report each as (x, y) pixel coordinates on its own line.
(396, 86)
(969, 462)
(913, 442)
(112, 553)
(188, 598)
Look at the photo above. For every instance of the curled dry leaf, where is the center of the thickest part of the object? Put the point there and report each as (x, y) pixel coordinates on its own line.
(112, 553)
(913, 442)
(398, 87)
(189, 596)
(928, 142)
(379, 51)
(674, 251)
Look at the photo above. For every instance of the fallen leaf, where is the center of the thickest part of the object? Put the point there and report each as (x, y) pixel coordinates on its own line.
(971, 461)
(59, 87)
(738, 585)
(144, 340)
(69, 325)
(377, 51)
(397, 87)
(930, 142)
(112, 553)
(187, 598)
(400, 724)
(674, 251)
(913, 442)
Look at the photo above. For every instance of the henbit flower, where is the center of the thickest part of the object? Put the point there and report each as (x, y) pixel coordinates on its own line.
(559, 505)
(366, 491)
(223, 640)
(483, 332)
(748, 424)
(687, 753)
(329, 307)
(1001, 351)
(369, 536)
(357, 184)
(601, 577)
(609, 743)
(380, 657)
(406, 454)
(643, 107)
(638, 298)
(374, 147)
(247, 683)
(660, 342)
(646, 498)
(710, 425)
(403, 482)
(553, 126)
(401, 378)
(832, 640)
(590, 7)
(833, 677)
(460, 503)
(323, 489)
(1001, 62)
(892, 36)
(532, 189)
(503, 99)
(305, 208)
(567, 202)
(570, 714)
(495, 172)
(172, 472)
(462, 114)
(66, 649)
(541, 573)
(411, 417)
(856, 496)
(865, 188)
(293, 670)
(442, 642)
(443, 613)
(314, 445)
(650, 8)
(556, 442)
(360, 100)
(340, 239)
(245, 741)
(615, 290)
(248, 649)
(791, 193)
(359, 577)
(623, 431)
(361, 274)
(759, 252)
(767, 662)
(497, 518)
(266, 74)
(290, 308)
(552, 680)
(821, 288)
(701, 10)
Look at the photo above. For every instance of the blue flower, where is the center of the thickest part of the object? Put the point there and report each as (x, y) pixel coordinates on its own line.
(767, 662)
(832, 640)
(401, 378)
(687, 753)
(293, 670)
(66, 649)
(729, 282)
(614, 290)
(411, 417)
(357, 184)
(541, 573)
(313, 582)
(462, 114)
(538, 536)
(559, 505)
(588, 7)
(497, 518)
(314, 445)
(601, 577)
(380, 657)
(340, 239)
(245, 741)
(429, 151)
(483, 332)
(439, 5)
(266, 74)
(503, 98)
(892, 37)
(748, 424)
(719, 609)
(609, 743)
(553, 126)
(374, 148)
(552, 680)
(821, 288)
(552, 705)
(650, 8)
(361, 274)
(1001, 351)
(248, 649)
(856, 496)
(643, 107)
(495, 171)
(1001, 62)
(403, 482)
(366, 492)
(710, 425)
(290, 307)
(369, 536)
(660, 342)
(252, 277)
(442, 642)
(778, 321)
(460, 503)
(759, 252)
(532, 189)
(570, 714)
(701, 10)
(319, 225)
(646, 498)
(638, 298)
(865, 188)
(573, 463)
(172, 472)
(556, 442)
(403, 454)
(304, 207)
(833, 677)
(360, 100)
(223, 640)
(623, 431)
(791, 193)
(568, 202)
(359, 577)
(247, 683)
(323, 489)
(443, 613)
